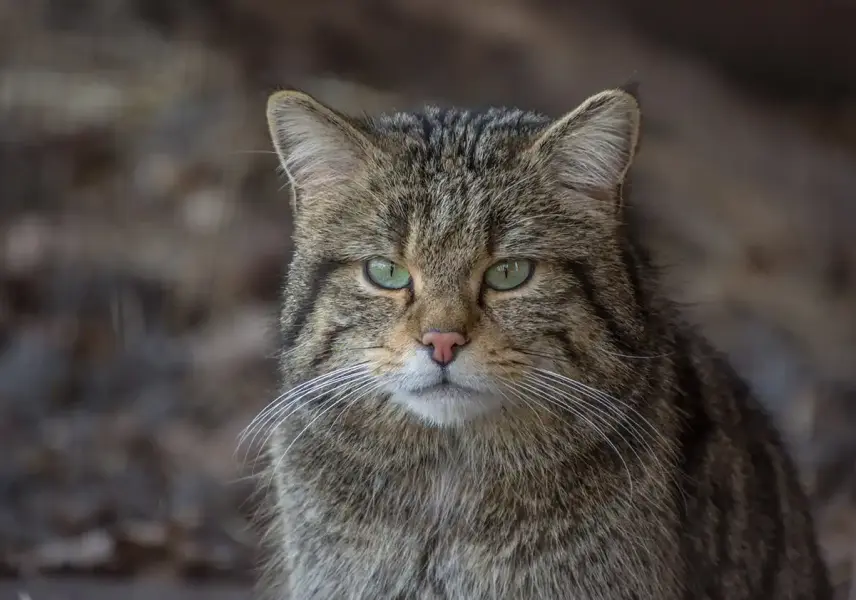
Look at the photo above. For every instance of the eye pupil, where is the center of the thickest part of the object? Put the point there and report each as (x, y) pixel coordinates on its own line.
(386, 274)
(508, 274)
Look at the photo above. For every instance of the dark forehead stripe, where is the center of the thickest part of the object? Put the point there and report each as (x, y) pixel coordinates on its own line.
(464, 148)
(480, 124)
(471, 136)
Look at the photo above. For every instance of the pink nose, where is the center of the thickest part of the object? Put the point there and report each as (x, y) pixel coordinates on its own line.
(444, 345)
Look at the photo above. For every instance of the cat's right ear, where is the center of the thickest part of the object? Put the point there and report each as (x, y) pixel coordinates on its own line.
(317, 146)
(592, 147)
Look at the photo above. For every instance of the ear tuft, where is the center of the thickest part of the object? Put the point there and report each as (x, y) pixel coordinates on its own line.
(632, 88)
(317, 146)
(592, 147)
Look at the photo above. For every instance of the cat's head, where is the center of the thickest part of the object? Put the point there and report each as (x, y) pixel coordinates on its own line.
(454, 264)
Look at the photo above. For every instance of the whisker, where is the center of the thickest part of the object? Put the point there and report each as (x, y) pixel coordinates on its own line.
(507, 383)
(596, 349)
(342, 387)
(607, 398)
(289, 396)
(577, 413)
(610, 420)
(303, 385)
(352, 402)
(312, 382)
(634, 356)
(541, 355)
(337, 396)
(370, 385)
(613, 412)
(605, 404)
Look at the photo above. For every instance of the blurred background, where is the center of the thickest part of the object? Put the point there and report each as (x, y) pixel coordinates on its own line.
(144, 233)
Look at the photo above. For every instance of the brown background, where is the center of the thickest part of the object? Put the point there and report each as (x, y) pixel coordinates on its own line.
(144, 233)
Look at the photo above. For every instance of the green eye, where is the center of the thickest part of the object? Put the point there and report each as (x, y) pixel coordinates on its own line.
(509, 274)
(386, 274)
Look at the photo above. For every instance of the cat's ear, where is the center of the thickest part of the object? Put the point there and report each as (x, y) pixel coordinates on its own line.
(592, 148)
(317, 146)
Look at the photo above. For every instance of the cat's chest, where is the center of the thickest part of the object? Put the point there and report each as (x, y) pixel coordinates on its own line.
(448, 534)
(432, 498)
(447, 496)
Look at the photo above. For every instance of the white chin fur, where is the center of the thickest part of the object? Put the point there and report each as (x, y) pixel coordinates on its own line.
(452, 406)
(472, 396)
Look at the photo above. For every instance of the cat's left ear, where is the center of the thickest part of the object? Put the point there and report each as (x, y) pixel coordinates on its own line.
(318, 147)
(591, 149)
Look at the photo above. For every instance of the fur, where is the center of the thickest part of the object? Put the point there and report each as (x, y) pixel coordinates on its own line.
(593, 446)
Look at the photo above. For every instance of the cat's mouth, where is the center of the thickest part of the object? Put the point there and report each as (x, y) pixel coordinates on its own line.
(441, 386)
(440, 400)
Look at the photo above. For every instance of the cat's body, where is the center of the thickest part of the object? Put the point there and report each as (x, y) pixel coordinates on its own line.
(560, 435)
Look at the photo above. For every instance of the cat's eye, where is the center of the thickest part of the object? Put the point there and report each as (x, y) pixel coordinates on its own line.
(508, 274)
(387, 274)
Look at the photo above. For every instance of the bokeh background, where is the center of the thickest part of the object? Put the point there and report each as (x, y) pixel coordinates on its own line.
(144, 233)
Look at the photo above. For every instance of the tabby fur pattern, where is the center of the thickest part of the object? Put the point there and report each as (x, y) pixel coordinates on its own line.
(584, 444)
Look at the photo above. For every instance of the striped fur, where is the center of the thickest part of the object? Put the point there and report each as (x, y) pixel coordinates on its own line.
(613, 455)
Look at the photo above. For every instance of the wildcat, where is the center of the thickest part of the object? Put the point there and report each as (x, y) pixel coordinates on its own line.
(484, 394)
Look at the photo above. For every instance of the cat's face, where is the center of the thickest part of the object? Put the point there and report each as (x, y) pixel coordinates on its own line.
(452, 263)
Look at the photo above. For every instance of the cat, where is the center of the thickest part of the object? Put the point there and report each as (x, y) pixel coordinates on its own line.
(485, 395)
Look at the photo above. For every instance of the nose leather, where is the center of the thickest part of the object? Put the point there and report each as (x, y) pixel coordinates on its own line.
(443, 343)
